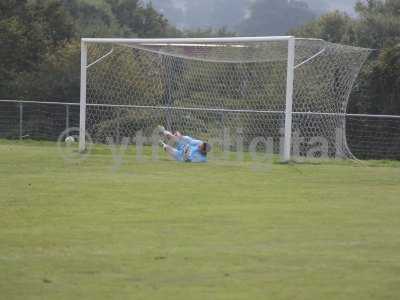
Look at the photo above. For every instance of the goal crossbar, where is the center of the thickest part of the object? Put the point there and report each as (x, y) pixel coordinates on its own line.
(186, 40)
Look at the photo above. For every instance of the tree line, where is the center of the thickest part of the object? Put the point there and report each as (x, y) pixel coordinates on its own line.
(376, 26)
(40, 42)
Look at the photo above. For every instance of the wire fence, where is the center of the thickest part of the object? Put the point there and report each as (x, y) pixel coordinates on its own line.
(36, 119)
(368, 136)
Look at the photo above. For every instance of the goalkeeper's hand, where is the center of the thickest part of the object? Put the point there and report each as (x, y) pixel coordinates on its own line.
(186, 153)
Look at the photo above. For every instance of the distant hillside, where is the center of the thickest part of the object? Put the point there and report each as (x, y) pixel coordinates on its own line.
(192, 14)
(275, 17)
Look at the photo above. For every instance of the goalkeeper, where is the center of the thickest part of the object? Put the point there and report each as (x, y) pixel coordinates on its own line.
(187, 149)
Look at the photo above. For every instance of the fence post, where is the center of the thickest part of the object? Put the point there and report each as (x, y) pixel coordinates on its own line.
(118, 126)
(66, 117)
(21, 119)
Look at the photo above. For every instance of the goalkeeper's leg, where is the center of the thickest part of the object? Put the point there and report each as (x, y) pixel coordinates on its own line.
(172, 152)
(174, 138)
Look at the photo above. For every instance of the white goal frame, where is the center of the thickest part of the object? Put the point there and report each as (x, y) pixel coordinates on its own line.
(286, 153)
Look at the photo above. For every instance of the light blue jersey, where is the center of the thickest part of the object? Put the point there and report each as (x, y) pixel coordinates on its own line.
(188, 150)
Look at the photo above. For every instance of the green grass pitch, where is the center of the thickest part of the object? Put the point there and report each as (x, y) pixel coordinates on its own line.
(222, 230)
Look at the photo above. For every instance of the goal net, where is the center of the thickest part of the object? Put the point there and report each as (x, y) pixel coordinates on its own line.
(287, 94)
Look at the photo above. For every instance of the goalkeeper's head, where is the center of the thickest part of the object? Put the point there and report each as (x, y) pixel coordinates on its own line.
(205, 148)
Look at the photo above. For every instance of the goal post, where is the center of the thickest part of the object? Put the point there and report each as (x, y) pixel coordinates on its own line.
(270, 87)
(82, 117)
(289, 101)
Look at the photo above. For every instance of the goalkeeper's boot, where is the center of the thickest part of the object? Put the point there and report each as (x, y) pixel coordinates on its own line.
(161, 129)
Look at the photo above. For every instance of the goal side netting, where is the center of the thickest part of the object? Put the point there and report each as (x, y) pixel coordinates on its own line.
(229, 93)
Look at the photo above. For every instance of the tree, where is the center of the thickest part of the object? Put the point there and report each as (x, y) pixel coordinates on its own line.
(379, 23)
(56, 77)
(145, 21)
(93, 19)
(378, 89)
(335, 27)
(40, 41)
(28, 31)
(377, 27)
